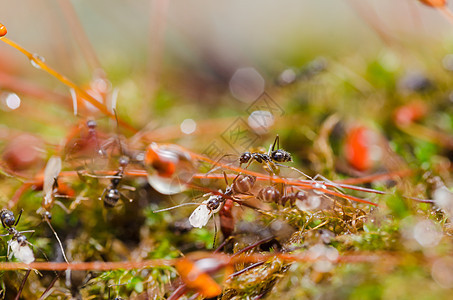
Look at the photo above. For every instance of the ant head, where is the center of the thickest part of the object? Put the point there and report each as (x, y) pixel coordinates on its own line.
(228, 191)
(245, 157)
(124, 161)
(7, 218)
(91, 124)
(21, 240)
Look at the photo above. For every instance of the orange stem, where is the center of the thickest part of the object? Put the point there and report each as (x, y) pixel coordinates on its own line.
(87, 97)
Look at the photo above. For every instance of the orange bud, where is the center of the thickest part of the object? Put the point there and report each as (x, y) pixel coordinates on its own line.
(411, 112)
(434, 3)
(196, 279)
(3, 30)
(359, 143)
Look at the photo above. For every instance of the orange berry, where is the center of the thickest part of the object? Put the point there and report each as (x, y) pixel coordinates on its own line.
(3, 30)
(434, 3)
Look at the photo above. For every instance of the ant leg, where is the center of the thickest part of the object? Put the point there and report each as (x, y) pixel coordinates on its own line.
(125, 197)
(294, 169)
(103, 194)
(100, 176)
(27, 231)
(173, 207)
(58, 240)
(128, 188)
(59, 203)
(18, 218)
(22, 284)
(215, 232)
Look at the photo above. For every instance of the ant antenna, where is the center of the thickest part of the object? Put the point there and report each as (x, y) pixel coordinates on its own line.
(226, 178)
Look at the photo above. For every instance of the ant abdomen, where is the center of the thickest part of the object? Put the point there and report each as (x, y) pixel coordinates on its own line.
(281, 156)
(293, 197)
(111, 198)
(243, 184)
(269, 194)
(7, 218)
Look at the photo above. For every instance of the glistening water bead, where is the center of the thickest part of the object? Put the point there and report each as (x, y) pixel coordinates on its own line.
(169, 168)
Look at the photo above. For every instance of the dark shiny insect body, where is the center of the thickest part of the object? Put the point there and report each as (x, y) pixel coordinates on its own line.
(242, 184)
(9, 222)
(111, 194)
(293, 197)
(271, 158)
(271, 194)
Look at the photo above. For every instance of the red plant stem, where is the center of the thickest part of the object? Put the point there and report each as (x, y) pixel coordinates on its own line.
(226, 260)
(376, 177)
(87, 97)
(178, 293)
(79, 34)
(21, 86)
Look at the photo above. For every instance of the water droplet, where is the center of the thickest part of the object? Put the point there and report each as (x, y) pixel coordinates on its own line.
(442, 272)
(188, 126)
(288, 76)
(36, 59)
(246, 84)
(312, 202)
(319, 186)
(426, 233)
(169, 168)
(443, 198)
(12, 101)
(208, 264)
(260, 121)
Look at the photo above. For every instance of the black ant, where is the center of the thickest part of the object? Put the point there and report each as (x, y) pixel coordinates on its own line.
(111, 194)
(242, 184)
(18, 242)
(273, 158)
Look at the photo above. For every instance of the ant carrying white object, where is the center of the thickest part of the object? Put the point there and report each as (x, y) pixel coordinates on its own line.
(18, 244)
